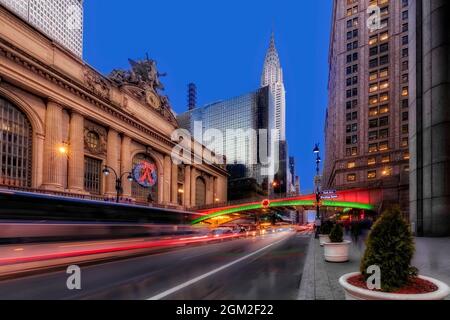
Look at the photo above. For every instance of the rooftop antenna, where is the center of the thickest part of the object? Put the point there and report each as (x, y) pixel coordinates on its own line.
(192, 96)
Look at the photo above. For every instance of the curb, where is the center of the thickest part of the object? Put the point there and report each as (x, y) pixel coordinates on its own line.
(307, 285)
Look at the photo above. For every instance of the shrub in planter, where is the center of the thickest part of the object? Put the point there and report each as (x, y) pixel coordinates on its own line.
(325, 230)
(391, 247)
(337, 234)
(337, 250)
(326, 227)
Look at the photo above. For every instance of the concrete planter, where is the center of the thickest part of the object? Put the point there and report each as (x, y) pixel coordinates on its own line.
(356, 293)
(337, 252)
(324, 238)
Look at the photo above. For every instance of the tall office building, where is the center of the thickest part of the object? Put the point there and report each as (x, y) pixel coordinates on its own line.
(272, 76)
(291, 176)
(243, 113)
(367, 117)
(60, 20)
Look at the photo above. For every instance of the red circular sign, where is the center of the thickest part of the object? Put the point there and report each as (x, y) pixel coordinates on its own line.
(266, 203)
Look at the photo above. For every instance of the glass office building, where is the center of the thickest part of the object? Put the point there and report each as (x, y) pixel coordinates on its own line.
(60, 20)
(234, 118)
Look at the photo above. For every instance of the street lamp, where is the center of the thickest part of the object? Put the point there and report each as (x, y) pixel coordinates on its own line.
(316, 151)
(107, 171)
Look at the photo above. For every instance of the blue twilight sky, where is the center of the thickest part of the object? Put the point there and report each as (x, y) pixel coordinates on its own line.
(220, 45)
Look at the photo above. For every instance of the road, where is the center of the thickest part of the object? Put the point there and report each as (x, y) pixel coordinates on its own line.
(260, 268)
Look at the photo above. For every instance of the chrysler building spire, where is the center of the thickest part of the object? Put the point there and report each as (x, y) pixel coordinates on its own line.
(272, 76)
(272, 67)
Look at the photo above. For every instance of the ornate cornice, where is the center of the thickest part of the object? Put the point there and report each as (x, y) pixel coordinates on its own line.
(98, 95)
(15, 54)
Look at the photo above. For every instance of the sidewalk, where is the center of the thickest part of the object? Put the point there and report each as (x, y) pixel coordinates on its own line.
(320, 278)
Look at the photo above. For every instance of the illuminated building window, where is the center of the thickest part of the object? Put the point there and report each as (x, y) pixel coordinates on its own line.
(384, 97)
(351, 177)
(373, 112)
(373, 148)
(371, 161)
(351, 151)
(384, 109)
(384, 36)
(405, 92)
(373, 100)
(351, 165)
(384, 146)
(373, 76)
(406, 156)
(384, 73)
(384, 85)
(373, 88)
(372, 174)
(386, 159)
(405, 142)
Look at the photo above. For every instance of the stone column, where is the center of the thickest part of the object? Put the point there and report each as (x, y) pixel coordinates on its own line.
(126, 164)
(187, 187)
(222, 189)
(193, 188)
(76, 155)
(112, 160)
(174, 184)
(53, 178)
(167, 179)
(209, 190)
(430, 117)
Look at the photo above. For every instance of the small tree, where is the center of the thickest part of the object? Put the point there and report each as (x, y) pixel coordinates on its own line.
(326, 227)
(337, 234)
(390, 246)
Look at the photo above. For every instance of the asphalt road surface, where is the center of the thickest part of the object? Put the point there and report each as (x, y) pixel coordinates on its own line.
(260, 268)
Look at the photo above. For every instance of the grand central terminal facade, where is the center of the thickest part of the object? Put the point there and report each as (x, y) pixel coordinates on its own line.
(68, 130)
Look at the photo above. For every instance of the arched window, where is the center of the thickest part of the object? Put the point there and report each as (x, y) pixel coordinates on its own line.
(200, 192)
(145, 185)
(15, 146)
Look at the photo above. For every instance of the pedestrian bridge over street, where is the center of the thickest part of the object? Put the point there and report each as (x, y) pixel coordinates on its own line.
(360, 199)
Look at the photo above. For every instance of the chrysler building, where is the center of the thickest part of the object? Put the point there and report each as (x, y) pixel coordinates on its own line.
(273, 77)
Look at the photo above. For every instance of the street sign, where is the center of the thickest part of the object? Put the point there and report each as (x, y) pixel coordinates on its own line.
(328, 197)
(328, 194)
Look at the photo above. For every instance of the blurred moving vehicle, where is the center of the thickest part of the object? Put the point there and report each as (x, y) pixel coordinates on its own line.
(30, 218)
(221, 232)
